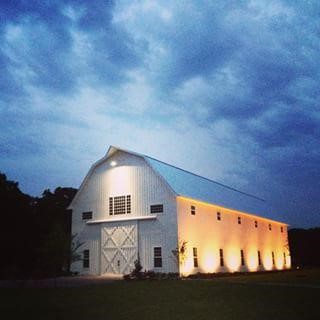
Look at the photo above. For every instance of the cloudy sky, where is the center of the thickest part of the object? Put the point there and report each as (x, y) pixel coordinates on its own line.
(227, 89)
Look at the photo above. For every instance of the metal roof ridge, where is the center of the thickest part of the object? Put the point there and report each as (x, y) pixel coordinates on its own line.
(205, 178)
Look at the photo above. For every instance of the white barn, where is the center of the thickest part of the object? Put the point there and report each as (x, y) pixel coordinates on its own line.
(132, 206)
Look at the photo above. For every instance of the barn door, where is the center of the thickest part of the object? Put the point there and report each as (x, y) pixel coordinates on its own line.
(118, 247)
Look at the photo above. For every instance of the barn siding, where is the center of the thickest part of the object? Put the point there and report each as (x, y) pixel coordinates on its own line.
(131, 176)
(208, 235)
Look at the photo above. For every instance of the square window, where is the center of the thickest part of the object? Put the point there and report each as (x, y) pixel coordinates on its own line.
(87, 215)
(156, 208)
(120, 205)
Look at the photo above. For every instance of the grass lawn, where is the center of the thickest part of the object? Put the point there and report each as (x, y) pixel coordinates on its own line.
(240, 297)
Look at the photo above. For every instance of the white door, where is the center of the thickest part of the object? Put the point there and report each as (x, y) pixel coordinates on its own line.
(119, 247)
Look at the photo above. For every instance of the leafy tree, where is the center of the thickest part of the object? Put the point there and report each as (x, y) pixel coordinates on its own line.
(16, 230)
(30, 226)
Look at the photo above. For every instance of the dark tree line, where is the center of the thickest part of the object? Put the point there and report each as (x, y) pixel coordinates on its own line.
(305, 247)
(35, 232)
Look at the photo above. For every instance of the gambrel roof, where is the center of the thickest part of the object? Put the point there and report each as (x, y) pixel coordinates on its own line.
(190, 185)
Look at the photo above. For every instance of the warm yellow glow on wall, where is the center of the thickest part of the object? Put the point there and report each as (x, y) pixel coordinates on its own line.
(252, 260)
(279, 263)
(288, 260)
(226, 210)
(209, 262)
(208, 234)
(121, 177)
(232, 259)
(187, 266)
(267, 261)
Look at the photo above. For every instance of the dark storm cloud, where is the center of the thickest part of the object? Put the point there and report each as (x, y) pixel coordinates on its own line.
(37, 37)
(266, 56)
(243, 72)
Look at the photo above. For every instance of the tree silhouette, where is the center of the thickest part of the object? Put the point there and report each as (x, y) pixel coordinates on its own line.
(28, 225)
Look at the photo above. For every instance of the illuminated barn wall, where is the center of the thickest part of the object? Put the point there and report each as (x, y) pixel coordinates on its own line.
(235, 231)
(119, 174)
(113, 242)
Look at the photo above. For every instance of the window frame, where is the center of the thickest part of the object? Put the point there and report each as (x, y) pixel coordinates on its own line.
(157, 258)
(156, 208)
(221, 257)
(119, 205)
(110, 206)
(242, 257)
(87, 215)
(273, 258)
(86, 259)
(195, 257)
(128, 203)
(259, 258)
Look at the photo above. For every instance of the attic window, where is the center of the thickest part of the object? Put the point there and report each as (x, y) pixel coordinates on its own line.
(218, 215)
(193, 210)
(239, 220)
(156, 208)
(256, 224)
(270, 228)
(120, 205)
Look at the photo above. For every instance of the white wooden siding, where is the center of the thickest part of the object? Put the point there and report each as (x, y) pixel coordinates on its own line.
(130, 176)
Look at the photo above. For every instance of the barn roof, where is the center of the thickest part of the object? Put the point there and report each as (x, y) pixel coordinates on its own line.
(190, 185)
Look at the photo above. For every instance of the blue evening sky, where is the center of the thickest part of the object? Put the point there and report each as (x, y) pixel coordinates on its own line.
(226, 89)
